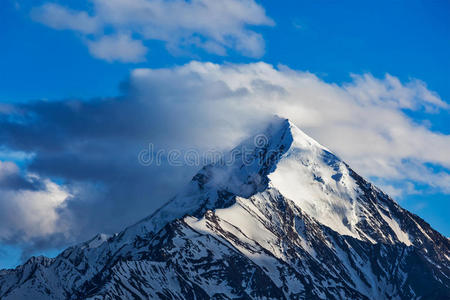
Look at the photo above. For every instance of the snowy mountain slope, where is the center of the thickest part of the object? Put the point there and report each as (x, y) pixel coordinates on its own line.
(280, 217)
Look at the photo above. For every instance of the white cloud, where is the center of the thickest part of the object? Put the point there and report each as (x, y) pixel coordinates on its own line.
(29, 213)
(362, 121)
(58, 17)
(120, 47)
(213, 25)
(413, 95)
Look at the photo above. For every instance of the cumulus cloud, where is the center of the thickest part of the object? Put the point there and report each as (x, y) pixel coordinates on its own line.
(93, 146)
(212, 25)
(28, 205)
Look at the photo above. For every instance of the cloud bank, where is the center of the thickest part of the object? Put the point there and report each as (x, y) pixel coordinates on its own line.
(85, 153)
(116, 29)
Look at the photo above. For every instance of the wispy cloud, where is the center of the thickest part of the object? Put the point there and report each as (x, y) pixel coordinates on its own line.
(58, 17)
(120, 47)
(213, 25)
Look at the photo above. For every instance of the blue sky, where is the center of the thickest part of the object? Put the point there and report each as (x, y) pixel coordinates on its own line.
(44, 58)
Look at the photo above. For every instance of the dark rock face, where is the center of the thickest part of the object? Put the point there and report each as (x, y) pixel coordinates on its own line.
(241, 237)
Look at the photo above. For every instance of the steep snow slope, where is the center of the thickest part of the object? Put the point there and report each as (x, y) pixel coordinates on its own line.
(280, 217)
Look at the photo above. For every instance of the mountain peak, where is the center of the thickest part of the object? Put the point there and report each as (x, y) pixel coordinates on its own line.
(280, 217)
(243, 172)
(313, 177)
(284, 161)
(281, 131)
(283, 158)
(299, 138)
